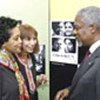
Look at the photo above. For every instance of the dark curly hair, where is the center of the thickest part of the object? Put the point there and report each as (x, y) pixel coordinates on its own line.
(6, 24)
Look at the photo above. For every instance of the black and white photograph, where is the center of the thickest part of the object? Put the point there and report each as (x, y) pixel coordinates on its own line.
(57, 44)
(62, 28)
(70, 45)
(40, 60)
(63, 46)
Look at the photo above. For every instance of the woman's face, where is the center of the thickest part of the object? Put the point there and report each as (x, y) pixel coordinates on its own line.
(62, 28)
(29, 43)
(69, 45)
(68, 28)
(14, 43)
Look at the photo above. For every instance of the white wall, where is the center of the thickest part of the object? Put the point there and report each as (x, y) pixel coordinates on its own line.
(35, 13)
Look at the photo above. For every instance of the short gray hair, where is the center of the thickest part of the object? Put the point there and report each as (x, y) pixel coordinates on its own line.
(90, 15)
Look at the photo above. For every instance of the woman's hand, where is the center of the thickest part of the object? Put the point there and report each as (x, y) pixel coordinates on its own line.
(42, 79)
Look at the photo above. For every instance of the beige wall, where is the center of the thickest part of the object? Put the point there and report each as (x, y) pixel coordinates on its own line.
(35, 13)
(66, 9)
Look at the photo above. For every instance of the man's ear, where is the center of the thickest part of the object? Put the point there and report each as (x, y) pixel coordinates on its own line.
(93, 28)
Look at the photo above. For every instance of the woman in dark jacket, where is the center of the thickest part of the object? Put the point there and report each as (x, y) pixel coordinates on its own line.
(12, 86)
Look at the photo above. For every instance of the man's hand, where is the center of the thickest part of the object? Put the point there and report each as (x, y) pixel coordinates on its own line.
(62, 94)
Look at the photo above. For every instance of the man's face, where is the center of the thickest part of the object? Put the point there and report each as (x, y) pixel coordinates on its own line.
(82, 32)
(57, 44)
(61, 28)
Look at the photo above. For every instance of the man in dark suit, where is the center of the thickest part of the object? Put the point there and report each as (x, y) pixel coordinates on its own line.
(86, 82)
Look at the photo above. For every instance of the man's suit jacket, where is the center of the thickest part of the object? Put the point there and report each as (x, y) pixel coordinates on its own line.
(86, 82)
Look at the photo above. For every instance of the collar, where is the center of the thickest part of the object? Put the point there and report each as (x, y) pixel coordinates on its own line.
(94, 46)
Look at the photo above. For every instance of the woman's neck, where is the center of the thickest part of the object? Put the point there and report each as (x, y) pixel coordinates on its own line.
(24, 56)
(10, 55)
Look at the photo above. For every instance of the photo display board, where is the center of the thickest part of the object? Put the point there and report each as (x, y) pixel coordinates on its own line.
(65, 55)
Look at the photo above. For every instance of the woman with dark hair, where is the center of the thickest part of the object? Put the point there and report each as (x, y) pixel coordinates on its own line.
(26, 60)
(12, 86)
(69, 45)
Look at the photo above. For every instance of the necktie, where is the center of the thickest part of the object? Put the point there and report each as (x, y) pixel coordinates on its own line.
(86, 56)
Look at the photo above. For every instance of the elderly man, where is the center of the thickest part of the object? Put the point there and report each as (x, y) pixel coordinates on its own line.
(86, 82)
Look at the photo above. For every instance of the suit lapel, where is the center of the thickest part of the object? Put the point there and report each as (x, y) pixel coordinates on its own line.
(84, 67)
